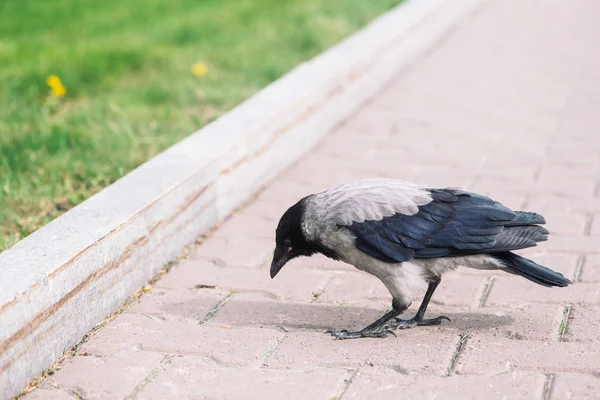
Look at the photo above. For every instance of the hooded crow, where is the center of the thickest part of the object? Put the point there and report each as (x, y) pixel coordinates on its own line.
(408, 235)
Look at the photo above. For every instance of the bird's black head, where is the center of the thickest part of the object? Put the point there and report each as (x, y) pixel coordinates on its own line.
(289, 239)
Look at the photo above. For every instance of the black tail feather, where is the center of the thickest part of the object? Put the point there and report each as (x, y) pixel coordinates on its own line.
(530, 270)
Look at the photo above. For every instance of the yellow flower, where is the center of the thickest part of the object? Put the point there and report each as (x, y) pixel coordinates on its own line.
(53, 80)
(59, 91)
(199, 69)
(56, 86)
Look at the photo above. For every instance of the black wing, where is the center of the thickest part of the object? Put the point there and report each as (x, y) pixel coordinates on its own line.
(455, 223)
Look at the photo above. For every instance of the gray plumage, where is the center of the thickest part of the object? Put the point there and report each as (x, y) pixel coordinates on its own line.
(408, 236)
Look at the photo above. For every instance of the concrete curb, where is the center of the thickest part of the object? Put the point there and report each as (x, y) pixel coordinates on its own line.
(72, 273)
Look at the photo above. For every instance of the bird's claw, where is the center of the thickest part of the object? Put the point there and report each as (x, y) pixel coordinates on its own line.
(345, 334)
(411, 323)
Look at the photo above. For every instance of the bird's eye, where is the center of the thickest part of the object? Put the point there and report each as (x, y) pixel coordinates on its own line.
(287, 242)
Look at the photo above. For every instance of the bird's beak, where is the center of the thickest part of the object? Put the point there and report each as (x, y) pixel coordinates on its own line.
(280, 257)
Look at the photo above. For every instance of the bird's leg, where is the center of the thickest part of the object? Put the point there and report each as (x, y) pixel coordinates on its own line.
(418, 319)
(373, 330)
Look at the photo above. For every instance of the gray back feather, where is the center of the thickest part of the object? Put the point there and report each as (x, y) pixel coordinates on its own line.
(367, 200)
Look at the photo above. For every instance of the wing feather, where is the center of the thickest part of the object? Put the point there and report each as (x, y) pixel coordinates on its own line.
(453, 223)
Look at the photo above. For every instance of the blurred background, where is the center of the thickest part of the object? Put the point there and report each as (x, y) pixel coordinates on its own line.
(91, 89)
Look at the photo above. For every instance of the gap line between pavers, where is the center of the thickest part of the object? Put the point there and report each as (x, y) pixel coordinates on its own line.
(71, 392)
(589, 220)
(265, 357)
(319, 292)
(579, 265)
(596, 192)
(217, 308)
(485, 292)
(538, 170)
(460, 345)
(564, 323)
(343, 387)
(548, 386)
(155, 371)
(264, 260)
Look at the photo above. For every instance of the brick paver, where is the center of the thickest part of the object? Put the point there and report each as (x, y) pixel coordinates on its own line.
(506, 105)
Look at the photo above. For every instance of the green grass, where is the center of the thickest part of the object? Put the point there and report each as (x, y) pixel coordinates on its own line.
(126, 65)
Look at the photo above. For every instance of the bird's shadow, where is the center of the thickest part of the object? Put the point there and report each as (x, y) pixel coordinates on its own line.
(478, 321)
(324, 316)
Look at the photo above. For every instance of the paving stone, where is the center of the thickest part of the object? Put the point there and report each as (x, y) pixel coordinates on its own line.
(412, 351)
(201, 378)
(114, 376)
(312, 176)
(575, 386)
(590, 271)
(256, 309)
(297, 284)
(522, 186)
(241, 346)
(235, 250)
(261, 208)
(563, 204)
(583, 324)
(455, 289)
(247, 226)
(49, 394)
(285, 191)
(349, 287)
(595, 223)
(458, 290)
(574, 244)
(531, 322)
(449, 178)
(566, 224)
(485, 355)
(387, 383)
(189, 305)
(551, 172)
(519, 291)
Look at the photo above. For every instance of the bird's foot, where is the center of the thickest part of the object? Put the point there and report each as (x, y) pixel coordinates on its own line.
(413, 322)
(360, 334)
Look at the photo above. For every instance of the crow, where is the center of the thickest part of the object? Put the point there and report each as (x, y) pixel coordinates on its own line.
(408, 235)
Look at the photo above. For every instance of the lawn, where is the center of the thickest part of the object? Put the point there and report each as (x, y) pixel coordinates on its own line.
(127, 67)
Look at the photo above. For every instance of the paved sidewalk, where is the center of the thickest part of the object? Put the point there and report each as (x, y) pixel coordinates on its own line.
(507, 105)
